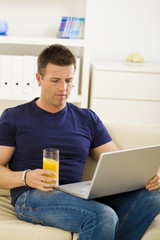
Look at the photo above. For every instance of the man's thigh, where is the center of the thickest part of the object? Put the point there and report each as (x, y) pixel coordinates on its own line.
(136, 210)
(140, 199)
(58, 209)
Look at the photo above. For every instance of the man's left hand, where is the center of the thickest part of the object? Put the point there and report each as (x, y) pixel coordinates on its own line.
(154, 183)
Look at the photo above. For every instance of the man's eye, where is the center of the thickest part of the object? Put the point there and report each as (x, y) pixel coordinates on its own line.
(54, 81)
(69, 81)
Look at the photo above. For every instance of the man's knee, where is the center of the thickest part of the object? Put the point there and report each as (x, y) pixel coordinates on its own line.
(109, 217)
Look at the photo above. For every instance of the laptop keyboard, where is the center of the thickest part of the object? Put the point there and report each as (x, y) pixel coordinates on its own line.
(83, 189)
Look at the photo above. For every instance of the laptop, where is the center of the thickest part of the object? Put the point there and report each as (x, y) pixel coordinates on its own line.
(118, 172)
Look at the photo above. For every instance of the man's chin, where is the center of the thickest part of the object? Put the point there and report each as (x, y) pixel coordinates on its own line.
(60, 104)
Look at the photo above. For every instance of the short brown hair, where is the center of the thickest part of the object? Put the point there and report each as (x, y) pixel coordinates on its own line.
(56, 54)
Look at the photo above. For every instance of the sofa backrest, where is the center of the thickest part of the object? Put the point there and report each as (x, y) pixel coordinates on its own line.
(131, 136)
(126, 136)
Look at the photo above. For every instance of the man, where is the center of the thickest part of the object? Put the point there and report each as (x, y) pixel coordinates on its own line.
(47, 122)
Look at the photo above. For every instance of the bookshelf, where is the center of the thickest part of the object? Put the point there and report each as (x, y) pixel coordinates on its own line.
(33, 26)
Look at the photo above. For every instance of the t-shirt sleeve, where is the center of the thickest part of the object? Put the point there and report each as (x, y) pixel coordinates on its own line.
(99, 131)
(7, 137)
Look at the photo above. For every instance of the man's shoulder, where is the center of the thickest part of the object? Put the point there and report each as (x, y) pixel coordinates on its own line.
(21, 108)
(84, 111)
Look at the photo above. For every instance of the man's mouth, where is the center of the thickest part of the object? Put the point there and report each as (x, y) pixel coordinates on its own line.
(61, 95)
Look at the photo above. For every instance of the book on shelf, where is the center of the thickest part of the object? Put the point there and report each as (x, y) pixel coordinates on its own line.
(61, 28)
(70, 27)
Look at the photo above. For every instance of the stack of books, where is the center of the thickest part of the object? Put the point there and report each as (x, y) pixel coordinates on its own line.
(70, 27)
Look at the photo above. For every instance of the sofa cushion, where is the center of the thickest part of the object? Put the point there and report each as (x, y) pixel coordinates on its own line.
(131, 136)
(4, 192)
(153, 232)
(12, 228)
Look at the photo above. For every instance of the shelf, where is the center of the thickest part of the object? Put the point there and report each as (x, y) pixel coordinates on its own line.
(30, 40)
(126, 67)
(41, 41)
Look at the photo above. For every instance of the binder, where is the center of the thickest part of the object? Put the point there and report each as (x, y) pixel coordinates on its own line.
(6, 74)
(28, 75)
(17, 75)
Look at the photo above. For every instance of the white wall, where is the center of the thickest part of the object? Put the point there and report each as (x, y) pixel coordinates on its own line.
(121, 26)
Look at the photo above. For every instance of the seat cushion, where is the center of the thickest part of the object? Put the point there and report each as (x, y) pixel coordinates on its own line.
(13, 228)
(153, 232)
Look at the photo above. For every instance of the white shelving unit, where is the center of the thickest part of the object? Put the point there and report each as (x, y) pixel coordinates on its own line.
(126, 93)
(33, 26)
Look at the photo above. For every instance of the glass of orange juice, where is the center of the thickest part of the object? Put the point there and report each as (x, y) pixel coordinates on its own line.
(51, 162)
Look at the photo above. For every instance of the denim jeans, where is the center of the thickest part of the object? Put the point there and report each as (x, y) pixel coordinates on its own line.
(121, 217)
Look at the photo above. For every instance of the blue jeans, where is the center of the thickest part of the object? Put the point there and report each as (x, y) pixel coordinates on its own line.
(121, 217)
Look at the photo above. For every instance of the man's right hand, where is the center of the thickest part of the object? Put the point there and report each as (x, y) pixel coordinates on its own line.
(37, 179)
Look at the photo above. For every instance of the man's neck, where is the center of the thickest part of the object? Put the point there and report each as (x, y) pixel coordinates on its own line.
(49, 108)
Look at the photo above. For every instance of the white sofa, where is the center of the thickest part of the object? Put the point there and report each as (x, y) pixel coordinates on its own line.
(125, 136)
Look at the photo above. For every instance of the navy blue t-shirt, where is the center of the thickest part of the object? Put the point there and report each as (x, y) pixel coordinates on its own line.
(74, 131)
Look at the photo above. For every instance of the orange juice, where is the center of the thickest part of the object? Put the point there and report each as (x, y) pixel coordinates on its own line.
(52, 165)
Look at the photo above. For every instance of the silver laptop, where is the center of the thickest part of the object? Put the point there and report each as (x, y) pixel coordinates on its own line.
(118, 172)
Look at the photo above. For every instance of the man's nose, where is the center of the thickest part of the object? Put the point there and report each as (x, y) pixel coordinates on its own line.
(63, 85)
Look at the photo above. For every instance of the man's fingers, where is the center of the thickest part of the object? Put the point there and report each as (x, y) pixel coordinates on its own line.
(47, 172)
(41, 179)
(45, 189)
(154, 179)
(48, 179)
(153, 186)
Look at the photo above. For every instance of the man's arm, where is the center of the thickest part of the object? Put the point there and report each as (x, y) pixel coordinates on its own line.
(12, 179)
(8, 178)
(107, 147)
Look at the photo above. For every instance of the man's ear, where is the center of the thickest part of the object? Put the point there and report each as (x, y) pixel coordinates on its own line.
(39, 79)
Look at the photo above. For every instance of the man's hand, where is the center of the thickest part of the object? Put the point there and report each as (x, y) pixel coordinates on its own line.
(154, 183)
(37, 179)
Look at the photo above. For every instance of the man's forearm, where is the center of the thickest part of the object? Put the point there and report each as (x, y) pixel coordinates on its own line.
(37, 178)
(10, 179)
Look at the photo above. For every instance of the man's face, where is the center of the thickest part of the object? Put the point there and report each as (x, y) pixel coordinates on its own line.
(56, 84)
